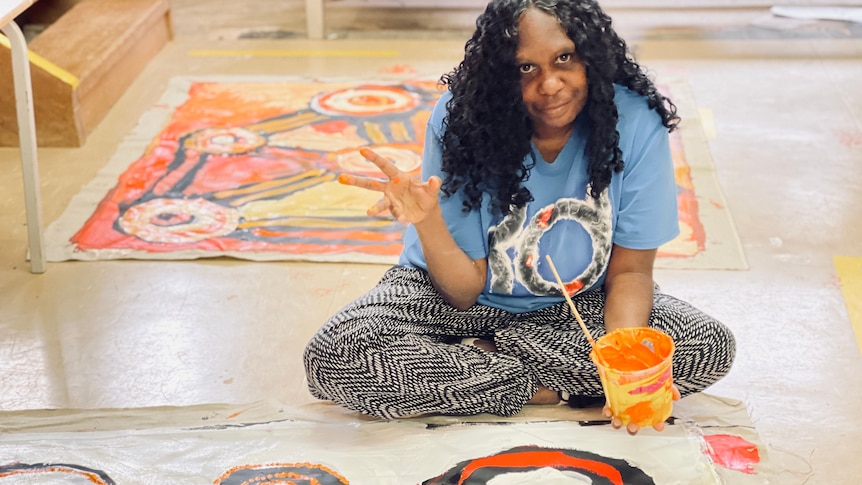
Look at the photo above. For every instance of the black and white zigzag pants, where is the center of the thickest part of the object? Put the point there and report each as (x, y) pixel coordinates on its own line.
(395, 351)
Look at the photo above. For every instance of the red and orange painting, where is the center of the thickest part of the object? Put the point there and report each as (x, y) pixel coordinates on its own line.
(250, 168)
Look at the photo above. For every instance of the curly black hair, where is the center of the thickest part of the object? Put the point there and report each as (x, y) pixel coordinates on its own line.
(487, 130)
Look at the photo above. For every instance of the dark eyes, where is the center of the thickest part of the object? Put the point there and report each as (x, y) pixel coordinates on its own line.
(566, 58)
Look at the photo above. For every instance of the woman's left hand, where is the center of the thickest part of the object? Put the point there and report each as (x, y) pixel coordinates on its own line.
(632, 428)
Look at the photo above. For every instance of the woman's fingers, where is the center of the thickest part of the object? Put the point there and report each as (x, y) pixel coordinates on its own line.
(631, 428)
(362, 182)
(405, 197)
(381, 207)
(434, 183)
(388, 168)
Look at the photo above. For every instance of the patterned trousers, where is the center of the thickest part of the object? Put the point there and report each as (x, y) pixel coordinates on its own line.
(396, 352)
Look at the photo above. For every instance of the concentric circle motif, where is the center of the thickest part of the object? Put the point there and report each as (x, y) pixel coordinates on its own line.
(365, 101)
(563, 465)
(281, 474)
(352, 161)
(53, 474)
(513, 233)
(178, 221)
(225, 141)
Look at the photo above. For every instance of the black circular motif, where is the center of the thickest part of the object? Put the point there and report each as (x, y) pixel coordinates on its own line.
(601, 470)
(74, 473)
(281, 473)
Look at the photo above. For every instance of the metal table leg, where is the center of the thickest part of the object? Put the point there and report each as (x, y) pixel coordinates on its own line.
(27, 140)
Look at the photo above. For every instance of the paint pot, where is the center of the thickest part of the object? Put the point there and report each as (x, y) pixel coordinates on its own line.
(636, 369)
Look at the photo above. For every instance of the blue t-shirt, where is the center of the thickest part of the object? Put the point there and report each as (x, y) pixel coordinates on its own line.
(637, 211)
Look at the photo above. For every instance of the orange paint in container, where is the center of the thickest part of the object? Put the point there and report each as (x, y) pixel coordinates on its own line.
(636, 369)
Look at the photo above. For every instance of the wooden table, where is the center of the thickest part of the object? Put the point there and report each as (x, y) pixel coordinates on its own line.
(9, 10)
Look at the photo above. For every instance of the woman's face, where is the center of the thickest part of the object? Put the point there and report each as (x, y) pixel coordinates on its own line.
(553, 77)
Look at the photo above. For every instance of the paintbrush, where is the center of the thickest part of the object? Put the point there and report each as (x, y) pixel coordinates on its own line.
(569, 301)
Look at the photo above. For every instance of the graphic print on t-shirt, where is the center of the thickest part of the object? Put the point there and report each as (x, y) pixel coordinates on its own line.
(515, 253)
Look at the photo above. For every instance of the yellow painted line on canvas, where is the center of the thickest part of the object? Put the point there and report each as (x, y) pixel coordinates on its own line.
(707, 120)
(399, 132)
(46, 65)
(263, 186)
(310, 182)
(291, 53)
(850, 274)
(285, 124)
(374, 132)
(310, 222)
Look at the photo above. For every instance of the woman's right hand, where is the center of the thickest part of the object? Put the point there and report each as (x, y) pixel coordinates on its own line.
(633, 428)
(406, 197)
(455, 275)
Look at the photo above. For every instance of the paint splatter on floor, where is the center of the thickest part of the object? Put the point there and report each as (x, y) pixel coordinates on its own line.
(733, 452)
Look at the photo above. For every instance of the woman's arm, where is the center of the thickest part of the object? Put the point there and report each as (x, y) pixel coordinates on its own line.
(456, 276)
(629, 288)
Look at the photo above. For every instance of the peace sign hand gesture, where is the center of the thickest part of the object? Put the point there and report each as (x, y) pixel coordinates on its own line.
(407, 198)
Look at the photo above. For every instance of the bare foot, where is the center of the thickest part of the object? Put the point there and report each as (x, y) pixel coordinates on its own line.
(486, 345)
(544, 396)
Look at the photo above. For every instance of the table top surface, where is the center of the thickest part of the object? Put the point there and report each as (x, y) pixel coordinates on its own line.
(9, 9)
